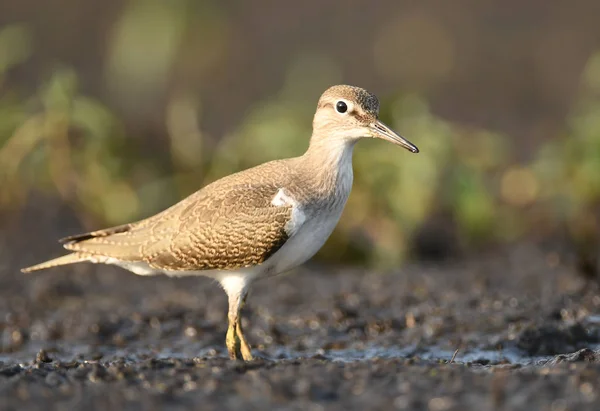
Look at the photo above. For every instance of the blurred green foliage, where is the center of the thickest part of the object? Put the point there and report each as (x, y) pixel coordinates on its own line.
(62, 142)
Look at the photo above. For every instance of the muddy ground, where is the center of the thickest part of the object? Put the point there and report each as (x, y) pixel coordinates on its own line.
(522, 325)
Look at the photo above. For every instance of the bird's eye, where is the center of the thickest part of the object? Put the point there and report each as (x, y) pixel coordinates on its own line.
(341, 107)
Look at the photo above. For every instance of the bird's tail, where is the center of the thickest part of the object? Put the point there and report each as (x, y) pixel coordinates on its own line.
(64, 260)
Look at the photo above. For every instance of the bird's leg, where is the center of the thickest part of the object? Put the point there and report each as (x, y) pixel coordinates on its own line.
(244, 347)
(232, 342)
(237, 290)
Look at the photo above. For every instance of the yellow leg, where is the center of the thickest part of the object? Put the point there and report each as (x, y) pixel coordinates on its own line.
(237, 346)
(244, 347)
(232, 341)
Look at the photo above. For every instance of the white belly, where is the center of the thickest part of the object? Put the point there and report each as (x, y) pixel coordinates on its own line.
(304, 244)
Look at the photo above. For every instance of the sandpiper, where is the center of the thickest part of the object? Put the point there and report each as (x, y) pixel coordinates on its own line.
(253, 224)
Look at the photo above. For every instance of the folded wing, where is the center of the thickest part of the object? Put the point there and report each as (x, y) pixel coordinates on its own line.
(229, 229)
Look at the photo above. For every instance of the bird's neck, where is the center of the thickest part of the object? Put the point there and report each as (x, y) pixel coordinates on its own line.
(328, 163)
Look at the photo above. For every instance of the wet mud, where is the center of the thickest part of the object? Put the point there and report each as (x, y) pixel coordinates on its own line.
(510, 329)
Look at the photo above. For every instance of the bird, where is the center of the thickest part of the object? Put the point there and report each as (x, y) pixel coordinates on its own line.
(252, 224)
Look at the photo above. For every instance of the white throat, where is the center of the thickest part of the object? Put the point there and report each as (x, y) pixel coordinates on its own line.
(331, 156)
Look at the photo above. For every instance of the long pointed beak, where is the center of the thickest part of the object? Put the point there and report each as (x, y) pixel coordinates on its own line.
(380, 130)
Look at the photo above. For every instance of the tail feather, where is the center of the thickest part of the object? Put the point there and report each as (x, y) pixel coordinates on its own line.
(92, 247)
(94, 234)
(64, 260)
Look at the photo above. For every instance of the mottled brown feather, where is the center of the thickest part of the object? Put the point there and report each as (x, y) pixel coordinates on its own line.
(229, 224)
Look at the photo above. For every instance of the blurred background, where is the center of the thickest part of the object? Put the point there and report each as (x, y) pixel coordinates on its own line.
(111, 111)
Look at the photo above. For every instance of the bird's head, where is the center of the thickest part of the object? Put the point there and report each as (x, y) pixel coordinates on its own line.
(350, 113)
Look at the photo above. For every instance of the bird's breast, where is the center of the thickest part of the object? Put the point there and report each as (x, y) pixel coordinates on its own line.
(311, 225)
(307, 240)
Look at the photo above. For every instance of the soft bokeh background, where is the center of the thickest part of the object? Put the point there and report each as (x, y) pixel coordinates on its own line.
(112, 110)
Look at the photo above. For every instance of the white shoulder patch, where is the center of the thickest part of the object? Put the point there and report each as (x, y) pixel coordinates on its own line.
(281, 199)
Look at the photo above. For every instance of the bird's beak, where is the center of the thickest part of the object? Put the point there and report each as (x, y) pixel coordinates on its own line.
(379, 130)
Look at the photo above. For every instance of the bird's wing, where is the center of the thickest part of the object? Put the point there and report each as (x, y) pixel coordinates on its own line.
(232, 227)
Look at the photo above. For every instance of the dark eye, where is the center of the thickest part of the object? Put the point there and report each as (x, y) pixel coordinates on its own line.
(341, 107)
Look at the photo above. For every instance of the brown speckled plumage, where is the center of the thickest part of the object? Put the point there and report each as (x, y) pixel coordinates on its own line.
(227, 225)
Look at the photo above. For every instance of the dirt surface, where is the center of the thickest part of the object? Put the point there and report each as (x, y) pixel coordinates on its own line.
(526, 327)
